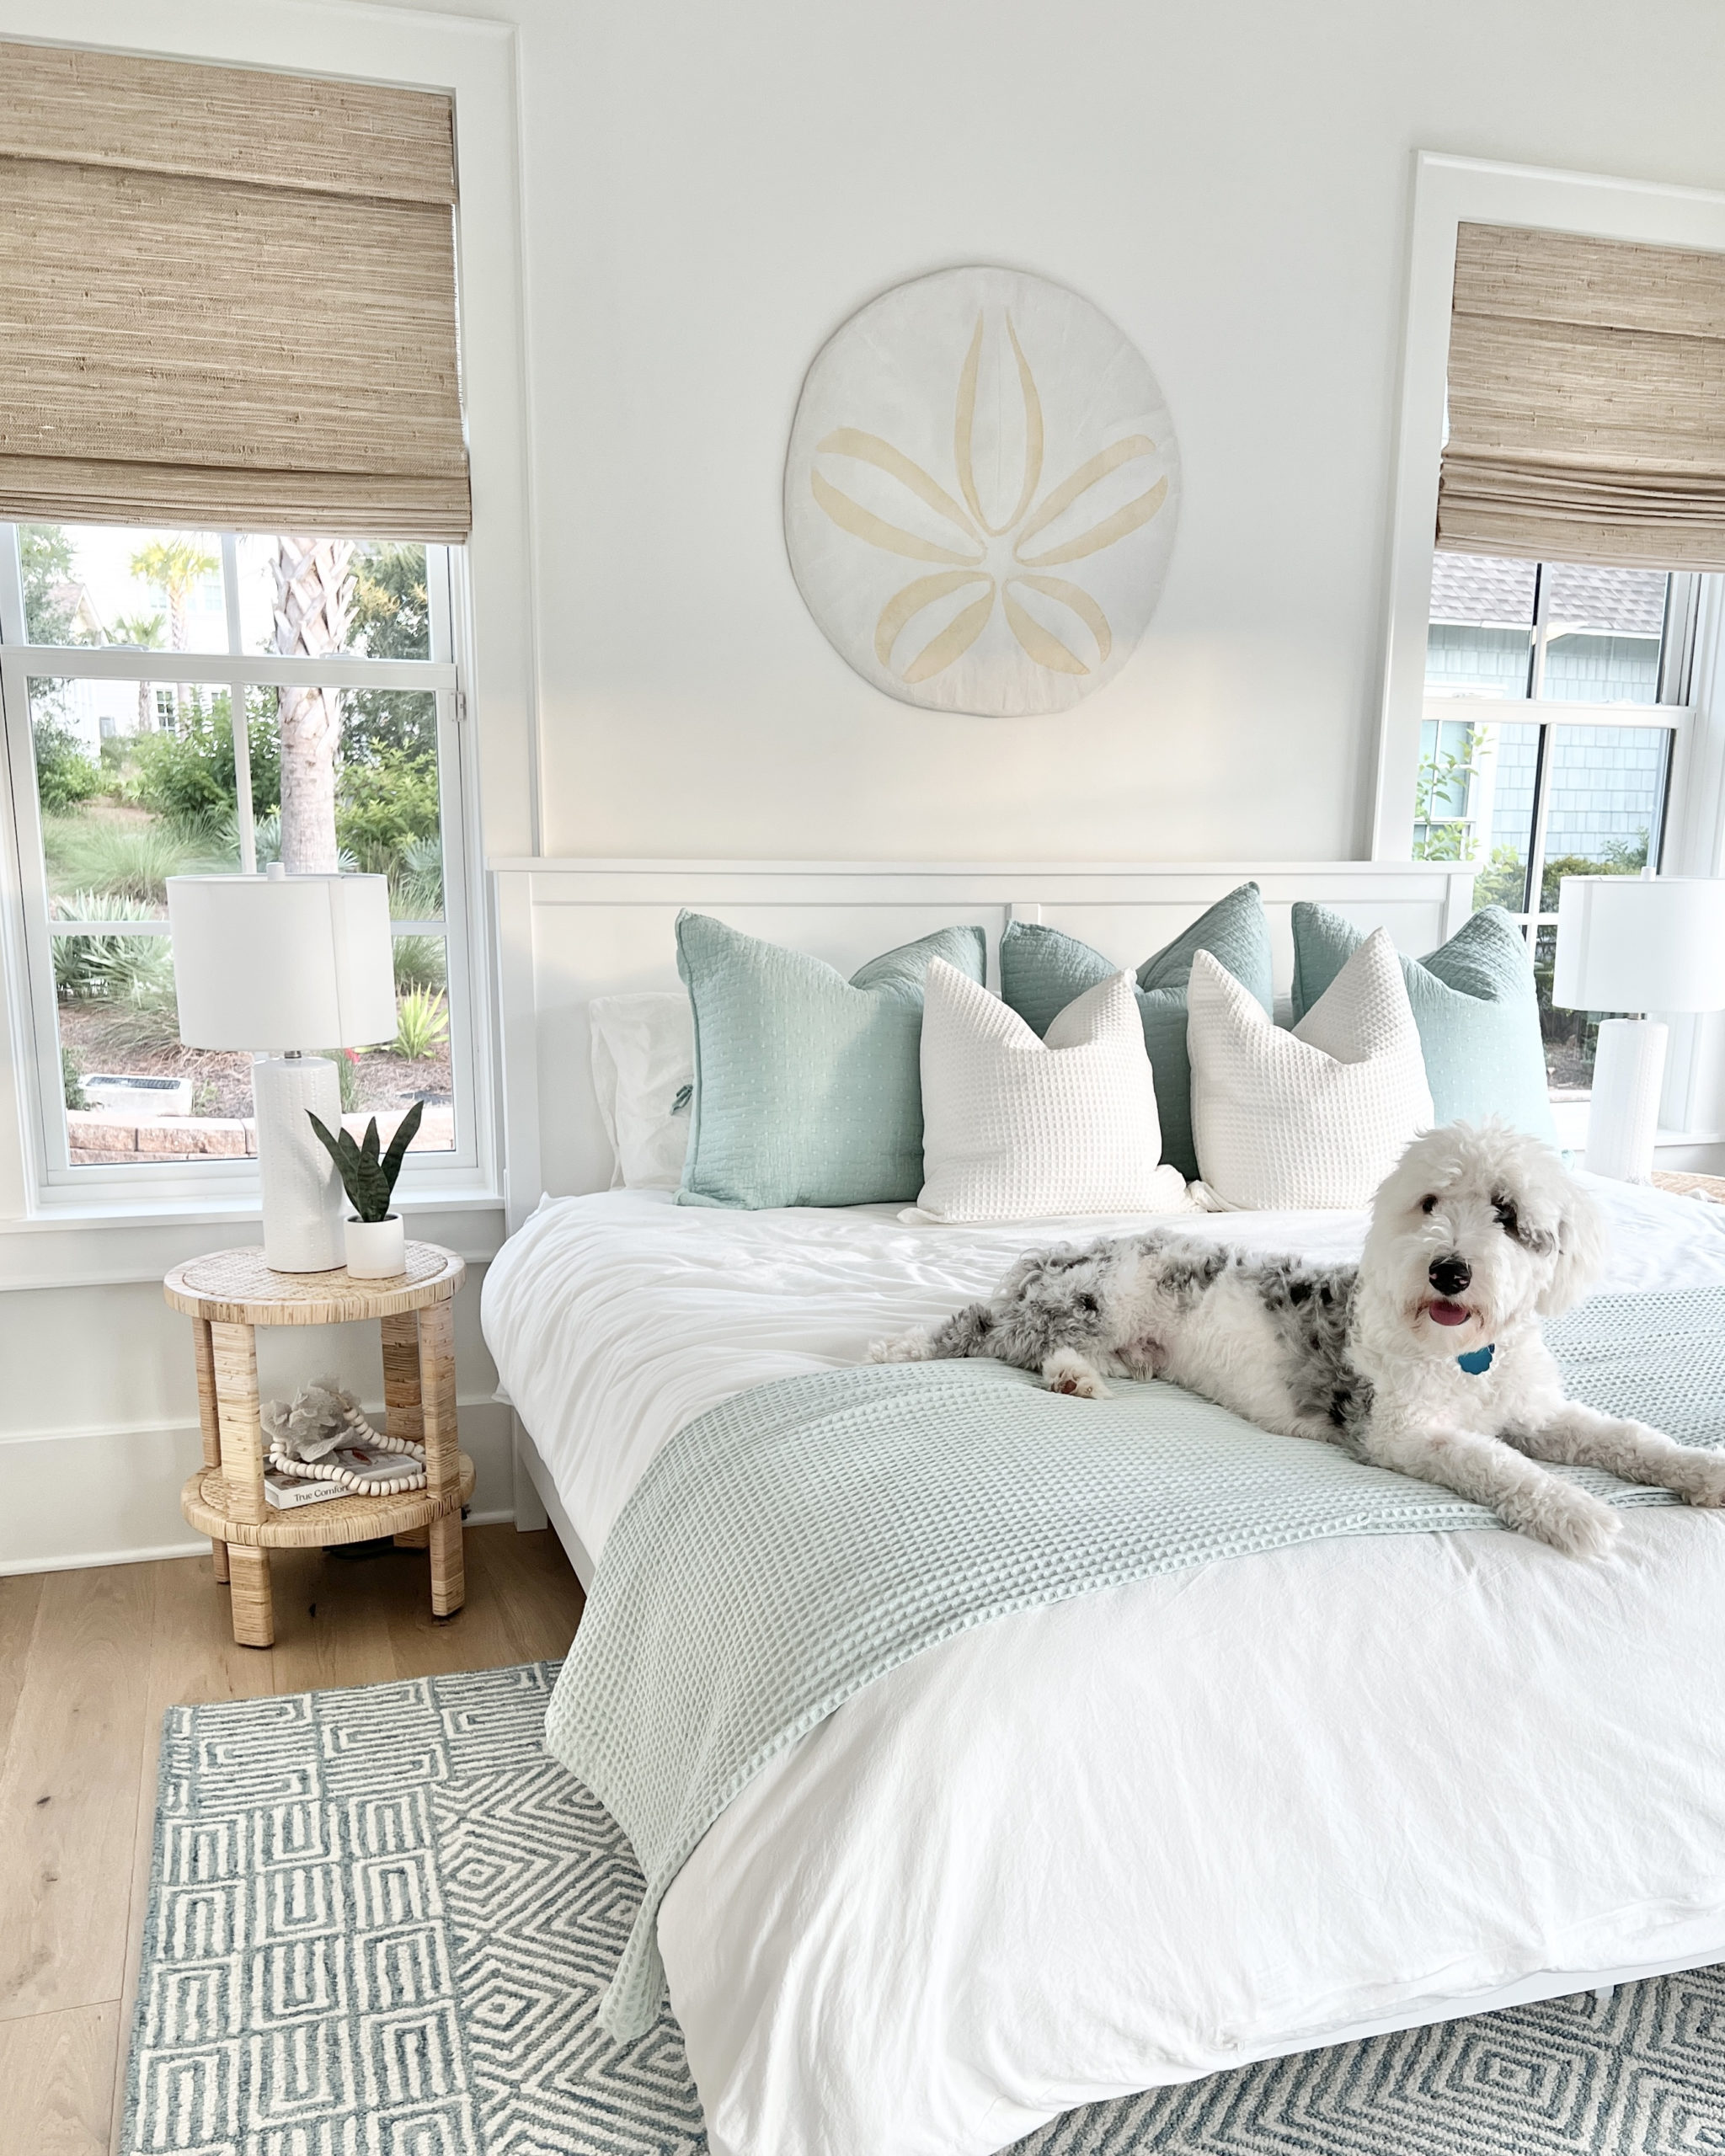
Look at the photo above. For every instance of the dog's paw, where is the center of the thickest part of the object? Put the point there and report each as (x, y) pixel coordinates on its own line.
(1569, 1518)
(1701, 1478)
(1071, 1374)
(908, 1347)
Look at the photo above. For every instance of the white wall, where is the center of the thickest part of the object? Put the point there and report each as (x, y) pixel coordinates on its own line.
(710, 191)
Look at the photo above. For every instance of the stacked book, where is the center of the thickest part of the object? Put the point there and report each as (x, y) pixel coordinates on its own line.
(286, 1490)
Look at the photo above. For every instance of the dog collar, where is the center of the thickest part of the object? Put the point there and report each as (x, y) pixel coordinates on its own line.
(1478, 1360)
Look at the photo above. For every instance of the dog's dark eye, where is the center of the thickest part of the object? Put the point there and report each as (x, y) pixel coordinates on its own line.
(1428, 1204)
(1508, 1220)
(1085, 1302)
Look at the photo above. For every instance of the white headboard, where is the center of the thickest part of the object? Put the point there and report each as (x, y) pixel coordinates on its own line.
(570, 929)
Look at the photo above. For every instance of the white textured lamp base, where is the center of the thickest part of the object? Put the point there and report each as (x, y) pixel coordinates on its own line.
(1629, 1071)
(301, 1191)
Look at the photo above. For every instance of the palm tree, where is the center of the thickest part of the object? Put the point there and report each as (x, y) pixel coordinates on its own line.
(175, 568)
(313, 598)
(143, 632)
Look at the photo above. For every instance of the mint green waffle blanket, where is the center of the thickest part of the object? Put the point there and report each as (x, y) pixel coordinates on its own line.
(796, 1543)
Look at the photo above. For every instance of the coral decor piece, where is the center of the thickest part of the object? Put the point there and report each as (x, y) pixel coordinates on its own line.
(320, 1436)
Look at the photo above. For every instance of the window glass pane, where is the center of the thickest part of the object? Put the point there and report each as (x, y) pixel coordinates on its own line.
(133, 1092)
(1603, 628)
(316, 596)
(92, 584)
(387, 1080)
(1482, 626)
(1571, 1037)
(1607, 793)
(1509, 760)
(1475, 802)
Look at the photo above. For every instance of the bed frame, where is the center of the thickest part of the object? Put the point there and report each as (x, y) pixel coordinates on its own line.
(567, 930)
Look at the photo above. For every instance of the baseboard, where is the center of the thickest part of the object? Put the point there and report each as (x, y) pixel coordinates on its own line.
(109, 1494)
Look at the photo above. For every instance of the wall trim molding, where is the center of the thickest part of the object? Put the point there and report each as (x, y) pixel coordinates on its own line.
(198, 1546)
(178, 1425)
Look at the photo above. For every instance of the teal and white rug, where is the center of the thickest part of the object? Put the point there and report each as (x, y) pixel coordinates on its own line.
(380, 1922)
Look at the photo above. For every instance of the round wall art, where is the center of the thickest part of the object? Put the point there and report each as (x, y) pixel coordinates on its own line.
(980, 493)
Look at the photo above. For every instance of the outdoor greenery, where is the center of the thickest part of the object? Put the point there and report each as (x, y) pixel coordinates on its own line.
(421, 1024)
(189, 773)
(65, 776)
(1440, 805)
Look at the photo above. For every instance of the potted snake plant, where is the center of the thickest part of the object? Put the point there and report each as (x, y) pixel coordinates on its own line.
(376, 1238)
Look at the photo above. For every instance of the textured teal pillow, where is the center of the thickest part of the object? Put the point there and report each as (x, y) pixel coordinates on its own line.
(1042, 970)
(807, 1086)
(1475, 1005)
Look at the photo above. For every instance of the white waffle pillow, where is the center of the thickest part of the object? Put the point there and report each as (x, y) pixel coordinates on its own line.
(1018, 1128)
(1316, 1116)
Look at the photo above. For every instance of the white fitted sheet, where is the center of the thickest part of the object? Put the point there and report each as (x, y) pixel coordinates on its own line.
(1153, 1832)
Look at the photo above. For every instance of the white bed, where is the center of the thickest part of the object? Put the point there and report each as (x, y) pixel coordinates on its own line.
(1161, 1830)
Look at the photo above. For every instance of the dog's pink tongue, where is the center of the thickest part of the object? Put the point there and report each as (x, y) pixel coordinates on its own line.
(1450, 1313)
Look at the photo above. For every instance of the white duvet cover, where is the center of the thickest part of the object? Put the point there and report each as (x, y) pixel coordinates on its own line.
(1156, 1832)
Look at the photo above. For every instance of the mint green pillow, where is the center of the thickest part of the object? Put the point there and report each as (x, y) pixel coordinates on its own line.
(1474, 1003)
(807, 1086)
(1042, 970)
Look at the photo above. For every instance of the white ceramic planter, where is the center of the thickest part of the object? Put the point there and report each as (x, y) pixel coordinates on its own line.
(376, 1250)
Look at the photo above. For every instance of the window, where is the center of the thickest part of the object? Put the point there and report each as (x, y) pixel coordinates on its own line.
(124, 656)
(1553, 705)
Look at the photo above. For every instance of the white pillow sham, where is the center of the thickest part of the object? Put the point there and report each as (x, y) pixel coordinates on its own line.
(1014, 1128)
(1315, 1116)
(643, 1073)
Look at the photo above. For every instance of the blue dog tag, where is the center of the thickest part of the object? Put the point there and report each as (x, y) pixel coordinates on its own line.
(1478, 1360)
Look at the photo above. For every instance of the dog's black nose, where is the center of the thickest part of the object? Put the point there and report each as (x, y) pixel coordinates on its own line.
(1450, 1275)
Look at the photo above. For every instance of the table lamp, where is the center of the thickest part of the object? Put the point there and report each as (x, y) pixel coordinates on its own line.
(281, 964)
(1636, 943)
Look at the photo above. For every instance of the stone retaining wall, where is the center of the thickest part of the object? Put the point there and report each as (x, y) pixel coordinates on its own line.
(106, 1141)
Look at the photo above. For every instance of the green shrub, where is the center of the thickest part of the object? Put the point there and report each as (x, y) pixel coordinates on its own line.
(420, 962)
(72, 1079)
(421, 1025)
(383, 807)
(190, 772)
(416, 882)
(65, 776)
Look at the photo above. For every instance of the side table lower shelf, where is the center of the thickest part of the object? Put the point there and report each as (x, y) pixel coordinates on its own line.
(210, 1506)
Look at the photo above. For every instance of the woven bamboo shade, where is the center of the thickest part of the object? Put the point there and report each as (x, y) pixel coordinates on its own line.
(228, 300)
(1587, 400)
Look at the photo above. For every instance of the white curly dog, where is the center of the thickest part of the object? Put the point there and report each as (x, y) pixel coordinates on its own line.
(1427, 1357)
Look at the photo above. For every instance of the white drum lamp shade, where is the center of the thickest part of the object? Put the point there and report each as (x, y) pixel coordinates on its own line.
(1636, 943)
(282, 961)
(286, 964)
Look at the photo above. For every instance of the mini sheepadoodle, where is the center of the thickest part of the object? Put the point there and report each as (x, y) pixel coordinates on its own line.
(1427, 1357)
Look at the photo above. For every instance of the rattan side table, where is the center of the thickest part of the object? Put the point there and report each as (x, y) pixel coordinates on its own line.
(229, 1293)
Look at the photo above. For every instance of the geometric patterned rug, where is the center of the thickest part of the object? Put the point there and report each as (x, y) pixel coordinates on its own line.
(380, 1921)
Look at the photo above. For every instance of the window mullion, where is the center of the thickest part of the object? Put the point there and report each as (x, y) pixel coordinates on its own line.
(238, 718)
(12, 621)
(1541, 808)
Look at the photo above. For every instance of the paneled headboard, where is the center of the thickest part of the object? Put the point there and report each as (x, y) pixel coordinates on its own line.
(570, 930)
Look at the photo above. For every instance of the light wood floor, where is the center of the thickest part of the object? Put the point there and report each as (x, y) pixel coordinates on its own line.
(89, 1663)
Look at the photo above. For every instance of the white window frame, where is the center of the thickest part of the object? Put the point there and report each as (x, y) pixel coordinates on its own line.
(35, 1000)
(57, 1238)
(1450, 192)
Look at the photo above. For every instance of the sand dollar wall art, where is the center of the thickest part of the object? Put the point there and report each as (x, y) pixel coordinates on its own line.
(980, 493)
